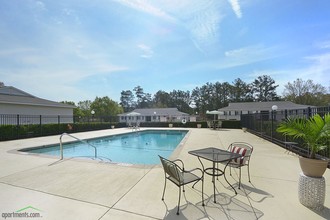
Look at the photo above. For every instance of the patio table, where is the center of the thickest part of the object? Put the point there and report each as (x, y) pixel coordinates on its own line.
(216, 156)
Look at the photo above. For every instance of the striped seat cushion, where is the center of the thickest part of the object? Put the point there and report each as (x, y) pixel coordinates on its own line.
(239, 150)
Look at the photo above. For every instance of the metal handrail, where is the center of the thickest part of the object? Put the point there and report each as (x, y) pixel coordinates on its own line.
(61, 146)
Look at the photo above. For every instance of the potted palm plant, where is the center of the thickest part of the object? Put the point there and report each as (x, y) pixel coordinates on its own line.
(315, 132)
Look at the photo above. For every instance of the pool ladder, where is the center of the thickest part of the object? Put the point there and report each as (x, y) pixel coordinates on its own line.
(78, 139)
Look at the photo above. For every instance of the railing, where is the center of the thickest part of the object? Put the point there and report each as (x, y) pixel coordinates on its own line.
(61, 145)
(18, 126)
(21, 119)
(264, 124)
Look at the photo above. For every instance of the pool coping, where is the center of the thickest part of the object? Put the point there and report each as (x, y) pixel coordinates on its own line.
(174, 153)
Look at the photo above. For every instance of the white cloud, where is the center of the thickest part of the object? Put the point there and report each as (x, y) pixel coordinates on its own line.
(323, 45)
(69, 14)
(59, 84)
(55, 73)
(200, 18)
(237, 58)
(147, 7)
(147, 51)
(204, 26)
(39, 5)
(316, 68)
(319, 68)
(247, 55)
(236, 7)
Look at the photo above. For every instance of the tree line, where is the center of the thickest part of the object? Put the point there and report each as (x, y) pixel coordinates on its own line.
(208, 97)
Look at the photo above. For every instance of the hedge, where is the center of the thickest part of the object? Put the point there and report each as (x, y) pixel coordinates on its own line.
(12, 132)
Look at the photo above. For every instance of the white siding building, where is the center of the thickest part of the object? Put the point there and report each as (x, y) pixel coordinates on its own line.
(156, 115)
(19, 107)
(234, 110)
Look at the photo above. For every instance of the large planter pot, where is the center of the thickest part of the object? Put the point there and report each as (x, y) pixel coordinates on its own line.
(313, 167)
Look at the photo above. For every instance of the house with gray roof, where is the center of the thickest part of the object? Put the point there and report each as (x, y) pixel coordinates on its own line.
(234, 110)
(155, 115)
(19, 107)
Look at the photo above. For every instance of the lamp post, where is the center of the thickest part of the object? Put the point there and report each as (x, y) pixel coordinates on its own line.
(274, 109)
(92, 112)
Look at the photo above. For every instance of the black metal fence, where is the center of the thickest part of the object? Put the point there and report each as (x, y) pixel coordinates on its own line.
(264, 124)
(25, 126)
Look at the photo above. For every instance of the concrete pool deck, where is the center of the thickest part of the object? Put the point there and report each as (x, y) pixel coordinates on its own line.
(86, 189)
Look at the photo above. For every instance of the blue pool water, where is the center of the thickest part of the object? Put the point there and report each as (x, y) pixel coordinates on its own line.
(142, 147)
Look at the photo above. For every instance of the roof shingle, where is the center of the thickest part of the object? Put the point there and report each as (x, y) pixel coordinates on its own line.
(12, 95)
(262, 106)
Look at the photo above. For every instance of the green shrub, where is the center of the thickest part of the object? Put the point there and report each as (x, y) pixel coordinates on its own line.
(8, 132)
(12, 132)
(231, 124)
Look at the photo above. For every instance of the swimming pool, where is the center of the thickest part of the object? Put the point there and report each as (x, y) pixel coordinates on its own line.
(141, 147)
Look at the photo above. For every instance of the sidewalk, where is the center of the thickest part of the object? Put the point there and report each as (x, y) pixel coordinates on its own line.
(75, 189)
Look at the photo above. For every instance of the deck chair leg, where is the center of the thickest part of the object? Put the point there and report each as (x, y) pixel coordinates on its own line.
(164, 189)
(202, 189)
(230, 171)
(239, 183)
(193, 186)
(249, 172)
(179, 201)
(203, 204)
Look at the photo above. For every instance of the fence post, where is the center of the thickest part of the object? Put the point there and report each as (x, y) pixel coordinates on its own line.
(309, 112)
(40, 124)
(58, 123)
(17, 126)
(261, 122)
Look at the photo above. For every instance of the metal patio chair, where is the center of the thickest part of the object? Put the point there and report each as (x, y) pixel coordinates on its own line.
(180, 177)
(209, 124)
(245, 150)
(219, 125)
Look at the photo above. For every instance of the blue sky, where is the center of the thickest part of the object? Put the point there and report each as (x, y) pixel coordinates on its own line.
(75, 50)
